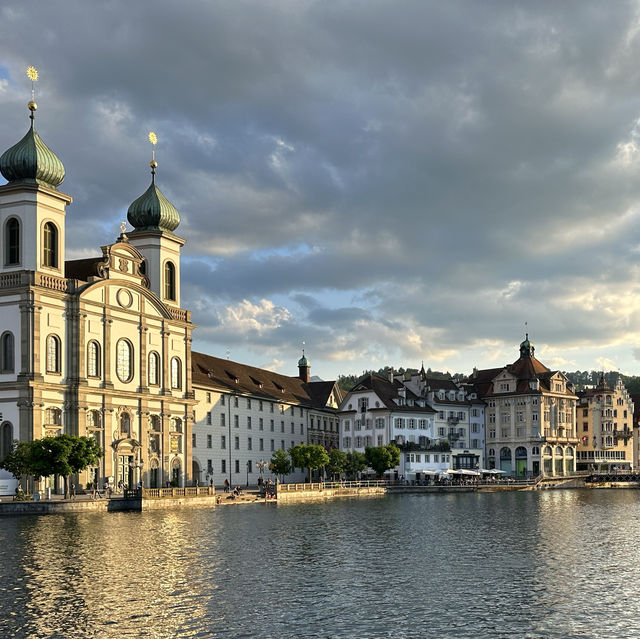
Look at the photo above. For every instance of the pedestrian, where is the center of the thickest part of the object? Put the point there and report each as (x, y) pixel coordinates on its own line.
(73, 491)
(226, 485)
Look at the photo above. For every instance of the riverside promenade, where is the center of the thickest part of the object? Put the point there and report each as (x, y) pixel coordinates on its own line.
(139, 500)
(128, 500)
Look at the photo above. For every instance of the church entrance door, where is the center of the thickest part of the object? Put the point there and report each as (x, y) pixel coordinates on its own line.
(125, 472)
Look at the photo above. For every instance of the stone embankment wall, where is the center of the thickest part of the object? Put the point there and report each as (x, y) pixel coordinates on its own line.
(286, 497)
(102, 505)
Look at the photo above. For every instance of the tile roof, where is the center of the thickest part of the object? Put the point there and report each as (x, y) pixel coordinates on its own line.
(524, 369)
(226, 375)
(389, 391)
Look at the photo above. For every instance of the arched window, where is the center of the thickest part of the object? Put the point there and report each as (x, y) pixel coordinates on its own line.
(176, 425)
(154, 368)
(124, 360)
(176, 373)
(93, 359)
(50, 245)
(6, 353)
(6, 439)
(169, 281)
(12, 242)
(53, 354)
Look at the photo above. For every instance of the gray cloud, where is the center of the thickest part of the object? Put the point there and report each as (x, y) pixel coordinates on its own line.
(416, 178)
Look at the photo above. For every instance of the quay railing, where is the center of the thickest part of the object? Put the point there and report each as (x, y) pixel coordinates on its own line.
(331, 485)
(161, 493)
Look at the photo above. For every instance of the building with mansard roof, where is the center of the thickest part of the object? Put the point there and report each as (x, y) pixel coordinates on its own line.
(97, 347)
(530, 416)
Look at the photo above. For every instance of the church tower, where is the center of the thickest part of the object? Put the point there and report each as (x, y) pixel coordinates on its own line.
(32, 210)
(154, 219)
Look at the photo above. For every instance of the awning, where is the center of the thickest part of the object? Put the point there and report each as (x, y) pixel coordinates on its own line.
(463, 471)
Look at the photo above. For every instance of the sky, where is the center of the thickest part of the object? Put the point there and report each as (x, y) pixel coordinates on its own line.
(389, 182)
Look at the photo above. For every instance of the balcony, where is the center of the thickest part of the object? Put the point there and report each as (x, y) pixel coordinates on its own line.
(454, 437)
(453, 421)
(622, 434)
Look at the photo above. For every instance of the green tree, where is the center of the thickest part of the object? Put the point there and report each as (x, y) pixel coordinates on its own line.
(356, 463)
(63, 455)
(280, 464)
(382, 458)
(311, 456)
(17, 459)
(337, 463)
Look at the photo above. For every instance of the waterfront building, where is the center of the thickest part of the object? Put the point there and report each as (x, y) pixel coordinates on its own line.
(605, 427)
(635, 398)
(244, 414)
(378, 411)
(530, 417)
(98, 346)
(458, 417)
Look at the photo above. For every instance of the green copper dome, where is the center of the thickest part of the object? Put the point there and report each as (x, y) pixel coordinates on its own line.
(303, 361)
(153, 212)
(31, 160)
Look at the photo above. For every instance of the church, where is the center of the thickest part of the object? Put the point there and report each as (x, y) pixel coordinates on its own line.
(98, 347)
(101, 347)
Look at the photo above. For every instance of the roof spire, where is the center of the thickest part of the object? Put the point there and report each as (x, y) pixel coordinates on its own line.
(153, 138)
(31, 160)
(32, 74)
(152, 211)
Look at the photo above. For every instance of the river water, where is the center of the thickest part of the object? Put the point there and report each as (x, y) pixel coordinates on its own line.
(522, 564)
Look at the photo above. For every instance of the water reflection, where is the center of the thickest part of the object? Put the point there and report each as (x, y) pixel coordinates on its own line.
(550, 564)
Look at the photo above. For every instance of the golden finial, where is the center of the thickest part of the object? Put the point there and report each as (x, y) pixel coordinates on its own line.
(32, 74)
(153, 138)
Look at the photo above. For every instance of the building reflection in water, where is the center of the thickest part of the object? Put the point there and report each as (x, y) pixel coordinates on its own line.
(115, 575)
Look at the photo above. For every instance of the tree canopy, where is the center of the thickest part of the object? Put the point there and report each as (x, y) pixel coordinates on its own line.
(60, 455)
(382, 458)
(311, 456)
(337, 463)
(280, 464)
(356, 463)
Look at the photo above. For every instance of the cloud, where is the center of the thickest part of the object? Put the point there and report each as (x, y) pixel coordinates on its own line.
(413, 181)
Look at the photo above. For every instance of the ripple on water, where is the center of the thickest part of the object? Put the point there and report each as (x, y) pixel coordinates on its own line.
(536, 565)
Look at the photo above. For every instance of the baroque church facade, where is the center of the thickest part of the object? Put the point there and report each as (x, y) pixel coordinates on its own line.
(98, 347)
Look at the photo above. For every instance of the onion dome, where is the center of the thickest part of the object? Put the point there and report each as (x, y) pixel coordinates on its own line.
(303, 362)
(31, 160)
(526, 348)
(152, 211)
